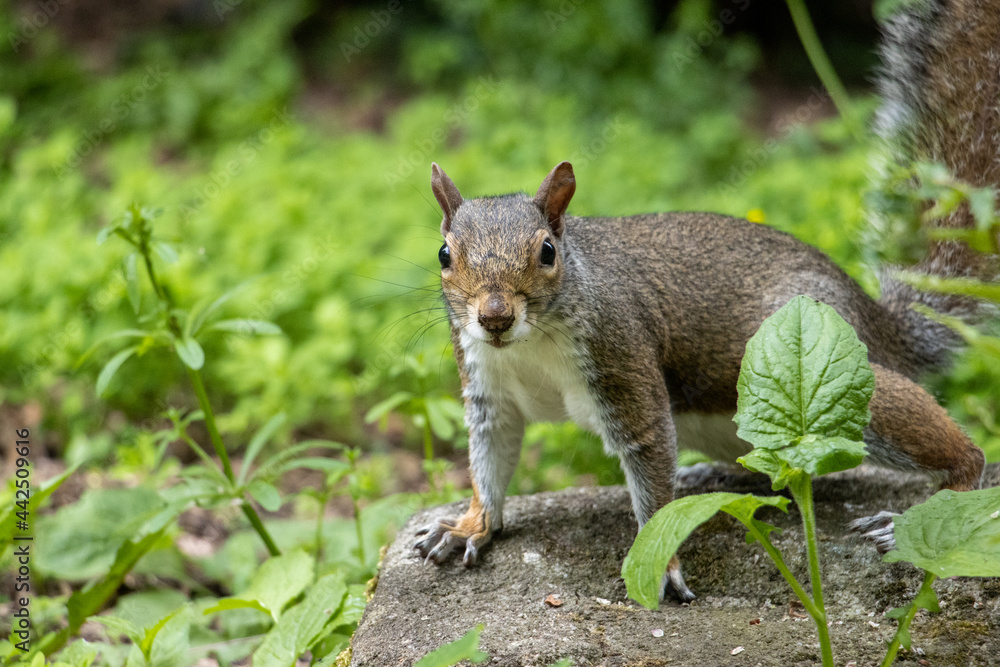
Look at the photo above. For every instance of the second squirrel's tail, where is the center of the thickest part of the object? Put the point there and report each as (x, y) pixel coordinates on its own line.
(941, 103)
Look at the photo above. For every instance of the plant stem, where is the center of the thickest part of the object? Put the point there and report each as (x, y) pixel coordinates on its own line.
(429, 452)
(821, 63)
(227, 467)
(783, 569)
(352, 458)
(804, 499)
(911, 612)
(213, 430)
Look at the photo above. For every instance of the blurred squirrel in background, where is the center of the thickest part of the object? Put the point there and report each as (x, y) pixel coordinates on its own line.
(610, 322)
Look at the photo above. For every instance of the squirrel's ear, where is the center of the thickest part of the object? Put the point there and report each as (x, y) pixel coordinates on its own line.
(554, 195)
(447, 195)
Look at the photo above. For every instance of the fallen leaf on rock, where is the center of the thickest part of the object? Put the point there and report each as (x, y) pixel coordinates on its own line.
(553, 600)
(737, 650)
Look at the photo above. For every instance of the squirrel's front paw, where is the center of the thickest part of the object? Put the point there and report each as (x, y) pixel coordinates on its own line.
(441, 537)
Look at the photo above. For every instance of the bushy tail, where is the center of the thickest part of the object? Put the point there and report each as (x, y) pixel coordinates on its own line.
(941, 90)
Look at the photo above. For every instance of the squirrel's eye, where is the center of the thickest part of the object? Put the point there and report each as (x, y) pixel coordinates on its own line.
(548, 255)
(444, 256)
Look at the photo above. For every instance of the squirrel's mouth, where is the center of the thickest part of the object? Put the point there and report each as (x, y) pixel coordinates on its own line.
(498, 342)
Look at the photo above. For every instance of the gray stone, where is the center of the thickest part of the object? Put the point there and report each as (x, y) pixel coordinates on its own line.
(571, 544)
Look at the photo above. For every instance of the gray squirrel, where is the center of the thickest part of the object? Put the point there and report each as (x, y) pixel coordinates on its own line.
(609, 322)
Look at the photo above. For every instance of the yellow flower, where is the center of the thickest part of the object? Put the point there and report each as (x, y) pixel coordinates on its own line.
(755, 215)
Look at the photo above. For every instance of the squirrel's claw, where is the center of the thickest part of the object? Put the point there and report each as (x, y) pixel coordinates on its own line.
(442, 537)
(877, 529)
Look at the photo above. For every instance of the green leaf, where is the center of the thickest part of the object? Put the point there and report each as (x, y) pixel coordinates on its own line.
(275, 463)
(258, 441)
(132, 281)
(246, 327)
(663, 534)
(383, 408)
(804, 373)
(278, 581)
(266, 494)
(466, 648)
(199, 314)
(124, 333)
(962, 286)
(952, 534)
(118, 627)
(190, 352)
(813, 454)
(227, 604)
(315, 463)
(302, 625)
(80, 540)
(165, 251)
(437, 414)
(35, 502)
(110, 368)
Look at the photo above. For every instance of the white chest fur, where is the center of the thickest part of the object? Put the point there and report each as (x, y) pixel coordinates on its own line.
(539, 375)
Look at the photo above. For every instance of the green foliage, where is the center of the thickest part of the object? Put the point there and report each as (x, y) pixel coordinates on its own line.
(660, 538)
(465, 648)
(952, 534)
(804, 373)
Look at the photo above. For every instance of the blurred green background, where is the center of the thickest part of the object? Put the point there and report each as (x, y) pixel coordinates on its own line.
(288, 146)
(290, 143)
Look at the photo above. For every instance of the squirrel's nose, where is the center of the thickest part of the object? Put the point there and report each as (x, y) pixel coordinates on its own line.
(496, 315)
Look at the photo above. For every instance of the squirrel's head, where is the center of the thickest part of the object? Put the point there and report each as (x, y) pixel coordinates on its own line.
(501, 262)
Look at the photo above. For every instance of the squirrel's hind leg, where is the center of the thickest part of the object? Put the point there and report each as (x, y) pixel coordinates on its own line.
(910, 431)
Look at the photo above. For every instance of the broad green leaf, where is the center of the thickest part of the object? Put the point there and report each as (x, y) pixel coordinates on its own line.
(80, 540)
(247, 327)
(952, 534)
(110, 368)
(663, 534)
(258, 441)
(804, 372)
(190, 352)
(466, 648)
(302, 625)
(132, 281)
(383, 408)
(279, 580)
(818, 455)
(813, 454)
(266, 494)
